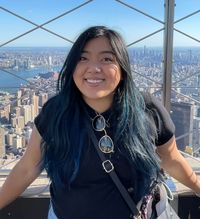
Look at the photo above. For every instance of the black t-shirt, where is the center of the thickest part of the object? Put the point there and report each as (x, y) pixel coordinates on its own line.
(93, 194)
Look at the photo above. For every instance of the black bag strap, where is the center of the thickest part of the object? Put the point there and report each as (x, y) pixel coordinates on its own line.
(109, 168)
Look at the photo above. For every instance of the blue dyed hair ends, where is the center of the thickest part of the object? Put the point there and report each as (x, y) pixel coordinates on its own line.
(66, 136)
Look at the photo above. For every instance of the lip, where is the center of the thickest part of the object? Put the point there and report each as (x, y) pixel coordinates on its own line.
(94, 81)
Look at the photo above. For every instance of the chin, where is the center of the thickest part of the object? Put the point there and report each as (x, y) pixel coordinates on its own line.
(95, 97)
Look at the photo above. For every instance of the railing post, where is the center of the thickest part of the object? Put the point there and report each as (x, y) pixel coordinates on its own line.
(168, 53)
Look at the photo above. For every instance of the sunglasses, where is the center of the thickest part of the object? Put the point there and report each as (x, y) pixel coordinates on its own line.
(105, 143)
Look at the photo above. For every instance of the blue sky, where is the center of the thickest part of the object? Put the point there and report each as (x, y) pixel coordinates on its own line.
(131, 24)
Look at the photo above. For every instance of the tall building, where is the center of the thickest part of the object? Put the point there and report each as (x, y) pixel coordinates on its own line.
(27, 134)
(35, 103)
(32, 112)
(50, 61)
(43, 97)
(182, 116)
(2, 142)
(13, 120)
(3, 118)
(18, 96)
(196, 130)
(6, 112)
(196, 135)
(198, 84)
(26, 113)
(17, 111)
(17, 141)
(9, 138)
(20, 122)
(23, 90)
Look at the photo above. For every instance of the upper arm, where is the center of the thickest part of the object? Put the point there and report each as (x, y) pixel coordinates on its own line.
(168, 152)
(168, 148)
(161, 118)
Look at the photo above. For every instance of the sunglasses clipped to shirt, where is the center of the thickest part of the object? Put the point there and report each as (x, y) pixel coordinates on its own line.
(105, 143)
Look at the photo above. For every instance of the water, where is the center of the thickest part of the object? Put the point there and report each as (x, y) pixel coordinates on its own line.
(10, 83)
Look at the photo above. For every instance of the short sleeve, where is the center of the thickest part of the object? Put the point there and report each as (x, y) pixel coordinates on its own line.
(164, 124)
(39, 123)
(44, 118)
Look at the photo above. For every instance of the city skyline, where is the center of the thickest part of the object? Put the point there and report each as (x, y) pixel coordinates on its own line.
(18, 108)
(94, 13)
(29, 69)
(146, 61)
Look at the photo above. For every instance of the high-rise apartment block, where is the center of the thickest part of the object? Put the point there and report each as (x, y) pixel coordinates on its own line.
(20, 122)
(2, 142)
(26, 113)
(27, 134)
(4, 114)
(17, 110)
(18, 96)
(9, 138)
(17, 141)
(182, 116)
(13, 121)
(3, 118)
(43, 97)
(35, 103)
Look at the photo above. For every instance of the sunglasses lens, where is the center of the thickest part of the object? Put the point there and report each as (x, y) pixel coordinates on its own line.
(99, 123)
(106, 144)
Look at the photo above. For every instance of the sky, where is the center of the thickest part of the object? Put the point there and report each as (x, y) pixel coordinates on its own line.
(131, 24)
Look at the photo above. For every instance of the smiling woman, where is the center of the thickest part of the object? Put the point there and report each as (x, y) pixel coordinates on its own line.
(98, 111)
(97, 74)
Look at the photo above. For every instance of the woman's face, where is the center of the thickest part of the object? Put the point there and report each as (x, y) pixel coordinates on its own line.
(97, 73)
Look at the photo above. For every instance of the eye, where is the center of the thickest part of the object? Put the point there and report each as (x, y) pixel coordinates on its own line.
(82, 59)
(107, 59)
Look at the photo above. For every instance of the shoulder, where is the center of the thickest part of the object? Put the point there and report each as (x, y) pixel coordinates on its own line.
(164, 124)
(50, 106)
(46, 115)
(154, 106)
(152, 102)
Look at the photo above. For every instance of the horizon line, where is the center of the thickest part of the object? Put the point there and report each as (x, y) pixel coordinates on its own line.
(70, 46)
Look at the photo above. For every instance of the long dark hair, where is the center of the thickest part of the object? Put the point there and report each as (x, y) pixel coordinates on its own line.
(63, 144)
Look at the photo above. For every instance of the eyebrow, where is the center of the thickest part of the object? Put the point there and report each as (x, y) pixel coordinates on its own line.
(102, 52)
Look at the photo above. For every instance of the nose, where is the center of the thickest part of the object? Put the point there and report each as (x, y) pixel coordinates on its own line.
(97, 69)
(94, 67)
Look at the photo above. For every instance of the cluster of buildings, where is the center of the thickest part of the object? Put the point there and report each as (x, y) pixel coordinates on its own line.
(148, 62)
(17, 113)
(185, 96)
(29, 58)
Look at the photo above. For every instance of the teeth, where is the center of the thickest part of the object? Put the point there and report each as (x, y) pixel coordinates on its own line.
(94, 80)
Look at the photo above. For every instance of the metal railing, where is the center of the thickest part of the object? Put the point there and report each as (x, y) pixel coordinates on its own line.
(165, 84)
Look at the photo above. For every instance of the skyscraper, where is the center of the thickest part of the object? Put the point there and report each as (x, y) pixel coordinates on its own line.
(26, 112)
(182, 116)
(198, 84)
(17, 141)
(35, 103)
(2, 142)
(43, 97)
(20, 122)
(18, 96)
(27, 134)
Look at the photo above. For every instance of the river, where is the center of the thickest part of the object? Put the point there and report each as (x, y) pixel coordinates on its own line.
(10, 83)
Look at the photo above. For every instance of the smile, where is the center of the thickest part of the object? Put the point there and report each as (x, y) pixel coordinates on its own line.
(94, 81)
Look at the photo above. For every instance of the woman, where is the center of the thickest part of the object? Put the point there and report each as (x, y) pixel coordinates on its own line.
(134, 131)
